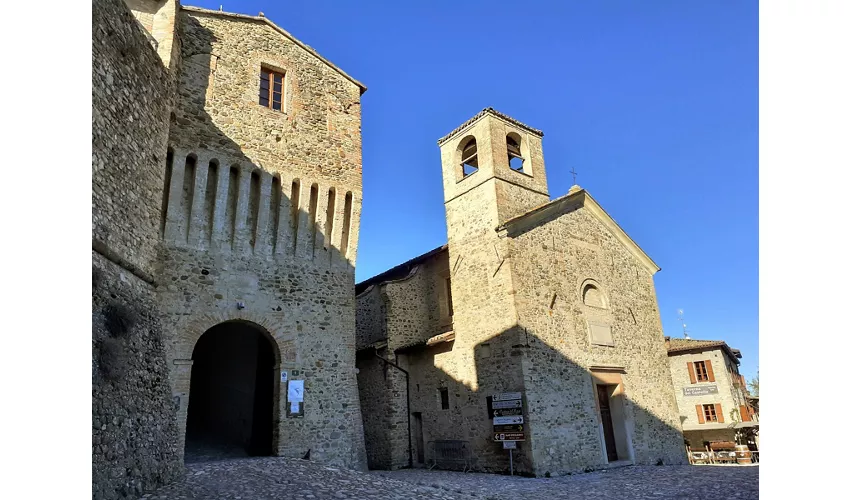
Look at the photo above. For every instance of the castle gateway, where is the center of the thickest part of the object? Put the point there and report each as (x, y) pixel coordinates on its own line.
(226, 208)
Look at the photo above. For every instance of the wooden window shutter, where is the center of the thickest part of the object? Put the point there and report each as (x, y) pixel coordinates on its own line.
(719, 410)
(691, 373)
(709, 370)
(700, 415)
(745, 413)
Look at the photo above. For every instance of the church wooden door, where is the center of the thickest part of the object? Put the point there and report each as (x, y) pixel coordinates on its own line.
(607, 424)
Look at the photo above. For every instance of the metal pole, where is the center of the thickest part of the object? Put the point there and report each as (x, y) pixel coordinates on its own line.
(511, 453)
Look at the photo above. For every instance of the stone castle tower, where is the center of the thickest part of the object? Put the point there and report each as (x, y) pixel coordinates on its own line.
(228, 209)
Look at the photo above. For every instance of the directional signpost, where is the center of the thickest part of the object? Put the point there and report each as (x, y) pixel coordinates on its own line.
(508, 422)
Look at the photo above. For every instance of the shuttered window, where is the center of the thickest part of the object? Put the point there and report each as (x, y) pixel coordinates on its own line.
(710, 413)
(700, 371)
(271, 89)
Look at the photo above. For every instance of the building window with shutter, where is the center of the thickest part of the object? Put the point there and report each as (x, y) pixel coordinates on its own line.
(444, 398)
(700, 371)
(271, 89)
(702, 374)
(710, 413)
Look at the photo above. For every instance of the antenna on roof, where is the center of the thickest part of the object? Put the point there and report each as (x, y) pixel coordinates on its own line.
(684, 326)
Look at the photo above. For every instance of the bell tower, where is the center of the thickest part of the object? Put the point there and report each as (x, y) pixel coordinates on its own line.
(492, 170)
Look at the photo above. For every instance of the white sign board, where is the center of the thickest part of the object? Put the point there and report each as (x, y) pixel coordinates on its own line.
(515, 403)
(511, 420)
(507, 396)
(508, 445)
(295, 393)
(284, 375)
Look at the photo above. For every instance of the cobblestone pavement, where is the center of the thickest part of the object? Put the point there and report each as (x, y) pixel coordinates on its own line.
(286, 478)
(672, 481)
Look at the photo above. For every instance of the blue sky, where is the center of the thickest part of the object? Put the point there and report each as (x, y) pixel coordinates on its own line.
(654, 103)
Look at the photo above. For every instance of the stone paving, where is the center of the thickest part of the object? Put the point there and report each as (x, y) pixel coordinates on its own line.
(286, 478)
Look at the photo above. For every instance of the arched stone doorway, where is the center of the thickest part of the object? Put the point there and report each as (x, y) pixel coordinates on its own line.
(233, 396)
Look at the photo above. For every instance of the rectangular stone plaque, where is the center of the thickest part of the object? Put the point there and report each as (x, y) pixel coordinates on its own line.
(701, 390)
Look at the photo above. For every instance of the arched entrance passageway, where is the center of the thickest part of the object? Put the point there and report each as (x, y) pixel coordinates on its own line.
(233, 393)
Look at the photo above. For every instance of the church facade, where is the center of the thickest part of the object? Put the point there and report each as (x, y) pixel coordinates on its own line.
(536, 324)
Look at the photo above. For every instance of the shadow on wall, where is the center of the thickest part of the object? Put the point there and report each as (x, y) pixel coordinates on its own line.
(574, 419)
(215, 197)
(232, 217)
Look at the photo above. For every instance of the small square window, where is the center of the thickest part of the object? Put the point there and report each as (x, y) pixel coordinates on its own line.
(271, 89)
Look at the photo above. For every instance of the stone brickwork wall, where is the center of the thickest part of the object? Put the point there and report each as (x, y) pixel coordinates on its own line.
(134, 430)
(134, 433)
(551, 260)
(371, 317)
(131, 99)
(414, 310)
(729, 396)
(262, 219)
(405, 312)
(375, 392)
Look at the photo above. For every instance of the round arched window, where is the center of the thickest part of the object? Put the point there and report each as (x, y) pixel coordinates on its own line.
(591, 295)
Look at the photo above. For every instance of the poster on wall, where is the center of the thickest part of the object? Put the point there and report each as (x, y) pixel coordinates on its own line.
(295, 392)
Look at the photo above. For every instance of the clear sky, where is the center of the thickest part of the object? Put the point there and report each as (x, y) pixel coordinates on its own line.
(654, 103)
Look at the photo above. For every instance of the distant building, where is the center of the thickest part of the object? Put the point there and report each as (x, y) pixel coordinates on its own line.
(714, 404)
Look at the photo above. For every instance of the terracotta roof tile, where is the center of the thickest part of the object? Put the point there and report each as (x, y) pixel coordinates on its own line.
(684, 345)
(494, 113)
(398, 271)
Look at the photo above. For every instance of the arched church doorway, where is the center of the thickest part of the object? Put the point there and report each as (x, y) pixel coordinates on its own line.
(233, 393)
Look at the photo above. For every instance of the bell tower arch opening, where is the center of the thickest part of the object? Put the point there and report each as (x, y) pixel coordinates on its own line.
(493, 170)
(233, 396)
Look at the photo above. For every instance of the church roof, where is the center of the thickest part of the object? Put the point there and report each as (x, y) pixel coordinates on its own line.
(262, 19)
(578, 198)
(398, 272)
(680, 346)
(493, 112)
